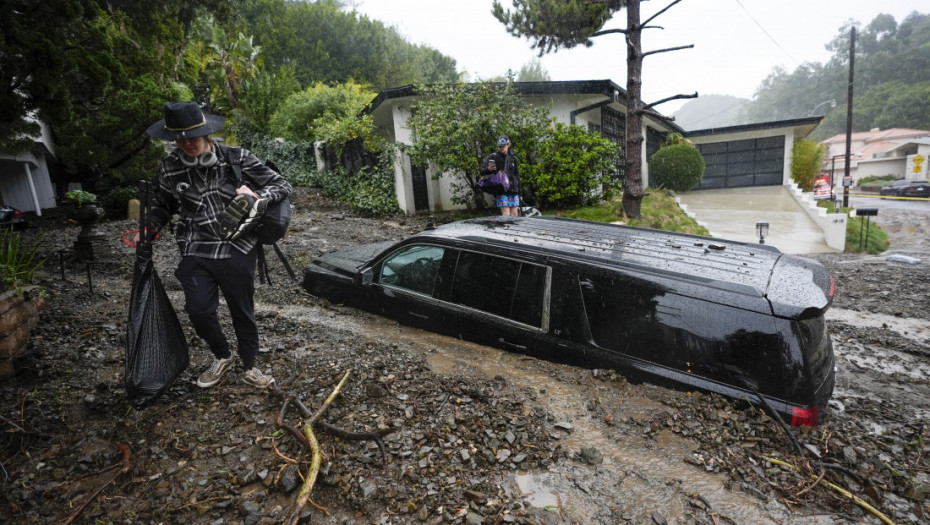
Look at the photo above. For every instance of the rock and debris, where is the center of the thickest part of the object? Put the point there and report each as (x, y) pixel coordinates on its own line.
(496, 439)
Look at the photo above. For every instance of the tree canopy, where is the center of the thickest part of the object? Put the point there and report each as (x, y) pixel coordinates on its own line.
(455, 126)
(553, 24)
(99, 72)
(326, 113)
(892, 68)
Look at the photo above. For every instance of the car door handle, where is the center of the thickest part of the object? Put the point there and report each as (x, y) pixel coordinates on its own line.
(418, 316)
(508, 344)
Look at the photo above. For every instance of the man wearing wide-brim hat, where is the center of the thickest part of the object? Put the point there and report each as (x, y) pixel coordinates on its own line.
(197, 183)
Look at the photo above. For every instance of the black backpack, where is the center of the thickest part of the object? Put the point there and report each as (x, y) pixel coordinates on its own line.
(273, 224)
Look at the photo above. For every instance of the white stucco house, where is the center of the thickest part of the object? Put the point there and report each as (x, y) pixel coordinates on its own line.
(750, 155)
(25, 180)
(904, 153)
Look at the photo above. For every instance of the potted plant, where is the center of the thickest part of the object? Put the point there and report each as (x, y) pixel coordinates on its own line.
(88, 214)
(20, 300)
(86, 210)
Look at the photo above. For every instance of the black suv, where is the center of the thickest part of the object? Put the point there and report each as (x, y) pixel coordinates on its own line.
(742, 320)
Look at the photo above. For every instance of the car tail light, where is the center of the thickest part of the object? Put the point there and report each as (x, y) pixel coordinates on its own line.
(832, 286)
(17, 214)
(804, 416)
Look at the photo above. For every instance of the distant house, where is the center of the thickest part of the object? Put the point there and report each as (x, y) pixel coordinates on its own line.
(25, 181)
(750, 155)
(903, 153)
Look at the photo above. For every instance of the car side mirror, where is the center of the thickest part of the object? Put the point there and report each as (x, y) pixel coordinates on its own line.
(367, 276)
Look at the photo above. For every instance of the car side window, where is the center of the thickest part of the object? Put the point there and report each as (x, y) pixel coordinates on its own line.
(501, 286)
(413, 268)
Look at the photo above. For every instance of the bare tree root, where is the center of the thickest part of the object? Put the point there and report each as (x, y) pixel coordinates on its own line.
(859, 501)
(310, 439)
(307, 437)
(127, 455)
(360, 436)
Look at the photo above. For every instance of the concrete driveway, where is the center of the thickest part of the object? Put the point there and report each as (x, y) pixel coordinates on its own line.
(733, 213)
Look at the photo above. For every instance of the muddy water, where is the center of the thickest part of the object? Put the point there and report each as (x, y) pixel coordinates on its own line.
(636, 478)
(910, 327)
(650, 479)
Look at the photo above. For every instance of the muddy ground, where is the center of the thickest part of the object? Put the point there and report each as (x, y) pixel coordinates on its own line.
(477, 435)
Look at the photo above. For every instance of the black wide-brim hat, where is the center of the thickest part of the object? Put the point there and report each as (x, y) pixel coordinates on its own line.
(185, 120)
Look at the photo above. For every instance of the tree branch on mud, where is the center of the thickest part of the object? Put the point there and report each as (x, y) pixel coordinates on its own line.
(127, 455)
(859, 501)
(308, 438)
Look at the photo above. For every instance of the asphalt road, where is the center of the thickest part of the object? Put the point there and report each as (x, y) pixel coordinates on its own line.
(866, 200)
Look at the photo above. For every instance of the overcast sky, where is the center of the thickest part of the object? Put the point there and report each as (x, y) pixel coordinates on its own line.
(737, 43)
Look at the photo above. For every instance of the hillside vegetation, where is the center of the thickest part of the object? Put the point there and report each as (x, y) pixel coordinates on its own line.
(891, 87)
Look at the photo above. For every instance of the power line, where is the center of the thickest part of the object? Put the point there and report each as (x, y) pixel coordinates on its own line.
(767, 33)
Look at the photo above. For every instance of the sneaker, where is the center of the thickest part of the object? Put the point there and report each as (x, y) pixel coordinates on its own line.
(213, 374)
(257, 378)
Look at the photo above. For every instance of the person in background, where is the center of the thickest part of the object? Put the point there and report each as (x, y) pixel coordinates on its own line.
(197, 183)
(504, 160)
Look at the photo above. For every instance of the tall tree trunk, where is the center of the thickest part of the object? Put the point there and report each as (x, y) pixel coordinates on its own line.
(633, 176)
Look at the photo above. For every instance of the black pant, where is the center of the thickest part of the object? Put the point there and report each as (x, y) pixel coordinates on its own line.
(202, 279)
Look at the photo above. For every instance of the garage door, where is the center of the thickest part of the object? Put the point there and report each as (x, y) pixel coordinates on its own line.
(741, 163)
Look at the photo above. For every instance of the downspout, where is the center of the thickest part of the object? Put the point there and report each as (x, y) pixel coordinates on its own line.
(32, 189)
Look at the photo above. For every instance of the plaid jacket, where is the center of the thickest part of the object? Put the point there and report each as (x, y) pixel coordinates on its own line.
(199, 195)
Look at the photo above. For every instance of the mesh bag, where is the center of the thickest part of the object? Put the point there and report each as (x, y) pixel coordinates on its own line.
(156, 349)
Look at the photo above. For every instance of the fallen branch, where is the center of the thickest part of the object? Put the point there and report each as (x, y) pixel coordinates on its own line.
(361, 436)
(127, 455)
(859, 501)
(310, 439)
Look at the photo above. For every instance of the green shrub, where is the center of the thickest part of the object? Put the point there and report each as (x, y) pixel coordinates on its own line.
(678, 168)
(865, 236)
(369, 191)
(373, 191)
(875, 181)
(806, 161)
(79, 198)
(115, 202)
(296, 160)
(17, 263)
(576, 169)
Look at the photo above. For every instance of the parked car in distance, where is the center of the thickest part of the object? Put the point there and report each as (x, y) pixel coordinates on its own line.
(907, 188)
(695, 313)
(11, 217)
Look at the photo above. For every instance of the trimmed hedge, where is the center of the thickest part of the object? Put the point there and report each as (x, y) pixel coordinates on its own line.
(678, 168)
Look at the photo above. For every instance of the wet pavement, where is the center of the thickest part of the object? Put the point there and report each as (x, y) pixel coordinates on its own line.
(733, 213)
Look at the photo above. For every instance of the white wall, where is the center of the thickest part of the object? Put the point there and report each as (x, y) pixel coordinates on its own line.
(874, 167)
(26, 190)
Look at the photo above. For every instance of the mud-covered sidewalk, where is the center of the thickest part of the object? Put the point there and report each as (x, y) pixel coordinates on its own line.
(473, 435)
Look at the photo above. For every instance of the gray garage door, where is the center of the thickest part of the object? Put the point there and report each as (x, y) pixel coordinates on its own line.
(741, 163)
